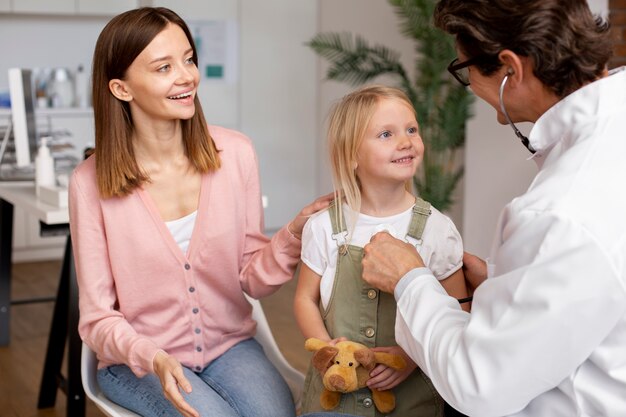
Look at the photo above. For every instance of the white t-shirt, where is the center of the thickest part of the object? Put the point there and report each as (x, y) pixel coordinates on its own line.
(181, 230)
(441, 246)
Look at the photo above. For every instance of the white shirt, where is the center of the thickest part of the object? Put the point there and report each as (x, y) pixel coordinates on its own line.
(547, 333)
(182, 229)
(441, 246)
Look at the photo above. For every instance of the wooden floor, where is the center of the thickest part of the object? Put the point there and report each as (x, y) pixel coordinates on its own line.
(21, 363)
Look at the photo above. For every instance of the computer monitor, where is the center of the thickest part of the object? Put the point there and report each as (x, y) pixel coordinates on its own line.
(22, 92)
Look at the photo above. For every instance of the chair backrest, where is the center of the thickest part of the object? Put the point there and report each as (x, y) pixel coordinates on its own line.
(294, 378)
(88, 368)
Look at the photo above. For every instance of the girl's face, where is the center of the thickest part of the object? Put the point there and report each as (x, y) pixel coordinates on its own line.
(161, 82)
(392, 148)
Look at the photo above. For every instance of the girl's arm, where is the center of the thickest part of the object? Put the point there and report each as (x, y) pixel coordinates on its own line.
(455, 287)
(306, 305)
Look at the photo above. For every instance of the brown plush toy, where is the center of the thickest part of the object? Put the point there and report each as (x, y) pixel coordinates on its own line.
(345, 368)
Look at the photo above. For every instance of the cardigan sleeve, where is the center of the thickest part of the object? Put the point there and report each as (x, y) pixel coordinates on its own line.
(266, 263)
(102, 327)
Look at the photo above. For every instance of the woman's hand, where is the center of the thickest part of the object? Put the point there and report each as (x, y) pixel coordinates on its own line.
(382, 377)
(170, 373)
(297, 224)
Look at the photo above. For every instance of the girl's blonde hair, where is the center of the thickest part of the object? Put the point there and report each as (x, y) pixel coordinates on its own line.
(348, 122)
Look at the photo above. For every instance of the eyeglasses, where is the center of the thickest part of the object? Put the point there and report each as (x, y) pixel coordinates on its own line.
(460, 70)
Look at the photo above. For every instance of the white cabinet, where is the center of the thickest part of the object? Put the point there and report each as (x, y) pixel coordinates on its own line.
(44, 6)
(28, 245)
(108, 7)
(5, 5)
(68, 7)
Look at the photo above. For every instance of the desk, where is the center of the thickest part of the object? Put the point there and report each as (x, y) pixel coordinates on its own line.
(64, 325)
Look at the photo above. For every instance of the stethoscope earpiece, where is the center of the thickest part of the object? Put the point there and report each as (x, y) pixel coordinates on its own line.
(519, 134)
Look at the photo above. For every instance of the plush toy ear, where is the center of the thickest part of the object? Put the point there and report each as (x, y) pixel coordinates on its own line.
(366, 358)
(323, 358)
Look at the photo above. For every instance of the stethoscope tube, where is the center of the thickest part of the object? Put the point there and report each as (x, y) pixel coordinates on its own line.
(523, 138)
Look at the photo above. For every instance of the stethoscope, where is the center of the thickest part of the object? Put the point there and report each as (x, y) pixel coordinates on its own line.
(523, 138)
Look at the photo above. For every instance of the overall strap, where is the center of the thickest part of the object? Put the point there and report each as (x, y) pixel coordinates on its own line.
(340, 234)
(421, 211)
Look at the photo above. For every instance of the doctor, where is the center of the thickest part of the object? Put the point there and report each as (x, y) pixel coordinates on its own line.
(547, 333)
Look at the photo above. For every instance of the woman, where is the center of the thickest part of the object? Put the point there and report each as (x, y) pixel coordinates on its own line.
(167, 223)
(547, 330)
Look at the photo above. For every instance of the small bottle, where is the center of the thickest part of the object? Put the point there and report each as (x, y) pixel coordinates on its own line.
(82, 88)
(44, 166)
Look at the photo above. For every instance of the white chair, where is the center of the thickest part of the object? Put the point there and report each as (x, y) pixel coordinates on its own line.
(294, 378)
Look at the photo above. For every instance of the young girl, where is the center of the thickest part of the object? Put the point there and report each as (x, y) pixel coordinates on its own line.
(375, 149)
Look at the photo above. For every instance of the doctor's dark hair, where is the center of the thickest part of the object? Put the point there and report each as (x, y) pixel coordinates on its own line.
(569, 47)
(117, 47)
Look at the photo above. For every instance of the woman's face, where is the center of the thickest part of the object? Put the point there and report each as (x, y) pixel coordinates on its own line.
(162, 81)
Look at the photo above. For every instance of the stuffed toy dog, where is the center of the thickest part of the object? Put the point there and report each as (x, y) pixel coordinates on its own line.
(345, 368)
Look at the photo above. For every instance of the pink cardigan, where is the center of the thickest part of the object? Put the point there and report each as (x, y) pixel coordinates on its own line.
(139, 293)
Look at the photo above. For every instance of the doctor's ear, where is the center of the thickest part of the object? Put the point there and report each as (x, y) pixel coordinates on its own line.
(119, 90)
(512, 62)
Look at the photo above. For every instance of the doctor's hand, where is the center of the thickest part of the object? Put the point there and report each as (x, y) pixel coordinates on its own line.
(170, 373)
(475, 271)
(386, 260)
(297, 224)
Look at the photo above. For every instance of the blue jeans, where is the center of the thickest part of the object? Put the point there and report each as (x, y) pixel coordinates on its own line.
(327, 414)
(240, 383)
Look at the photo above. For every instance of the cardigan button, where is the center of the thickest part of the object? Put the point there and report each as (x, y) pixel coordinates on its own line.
(197, 330)
(191, 289)
(187, 267)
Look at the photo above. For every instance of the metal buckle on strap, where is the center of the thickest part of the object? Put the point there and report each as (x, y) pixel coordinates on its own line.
(418, 242)
(341, 238)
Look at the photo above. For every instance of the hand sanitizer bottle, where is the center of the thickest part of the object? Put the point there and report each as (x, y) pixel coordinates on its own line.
(44, 166)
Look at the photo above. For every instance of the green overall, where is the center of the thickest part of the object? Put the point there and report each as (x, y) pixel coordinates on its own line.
(366, 315)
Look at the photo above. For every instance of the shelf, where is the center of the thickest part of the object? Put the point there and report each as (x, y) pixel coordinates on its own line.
(55, 112)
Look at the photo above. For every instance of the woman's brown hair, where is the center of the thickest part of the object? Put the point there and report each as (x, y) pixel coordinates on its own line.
(119, 43)
(567, 44)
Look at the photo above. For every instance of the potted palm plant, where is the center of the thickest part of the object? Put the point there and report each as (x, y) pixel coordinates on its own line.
(442, 105)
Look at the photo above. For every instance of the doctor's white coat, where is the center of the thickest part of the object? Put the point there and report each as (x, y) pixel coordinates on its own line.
(547, 332)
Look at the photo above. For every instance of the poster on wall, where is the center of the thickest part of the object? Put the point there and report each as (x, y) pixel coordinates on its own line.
(217, 44)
